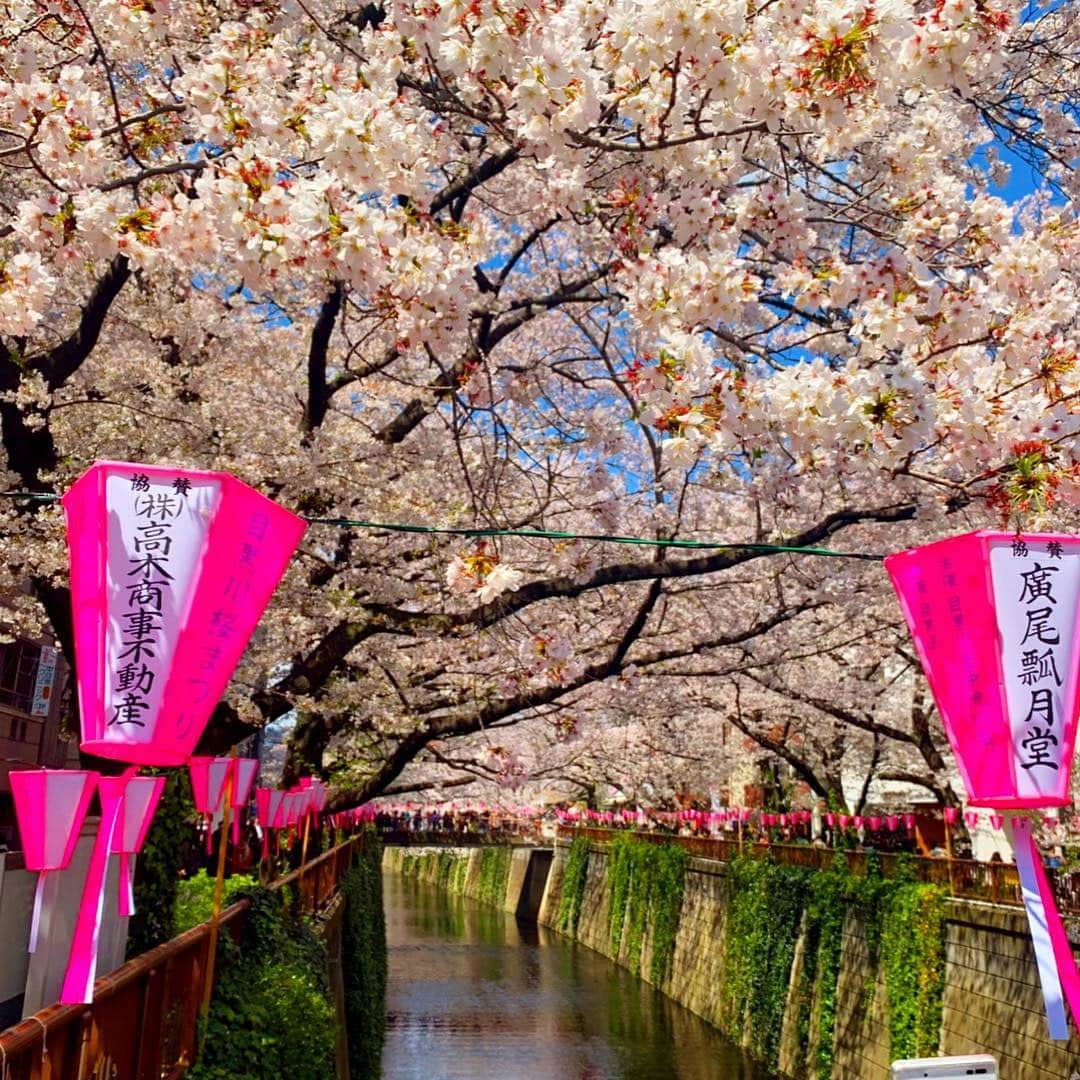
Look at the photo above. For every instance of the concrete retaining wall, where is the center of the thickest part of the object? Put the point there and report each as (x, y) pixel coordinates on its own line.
(459, 870)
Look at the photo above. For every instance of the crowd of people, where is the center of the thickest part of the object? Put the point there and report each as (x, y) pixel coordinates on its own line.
(489, 822)
(497, 823)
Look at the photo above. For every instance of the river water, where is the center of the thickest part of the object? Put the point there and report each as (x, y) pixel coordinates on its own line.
(474, 994)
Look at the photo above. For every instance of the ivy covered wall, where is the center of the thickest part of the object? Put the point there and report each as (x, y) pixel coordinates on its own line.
(364, 961)
(776, 911)
(480, 873)
(819, 975)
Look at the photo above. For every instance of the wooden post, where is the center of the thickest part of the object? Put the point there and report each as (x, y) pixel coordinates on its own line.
(949, 856)
(219, 893)
(303, 853)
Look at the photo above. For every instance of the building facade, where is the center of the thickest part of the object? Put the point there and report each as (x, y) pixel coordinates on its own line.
(33, 699)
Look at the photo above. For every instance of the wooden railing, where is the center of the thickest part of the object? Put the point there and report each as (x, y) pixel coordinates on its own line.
(143, 1022)
(996, 883)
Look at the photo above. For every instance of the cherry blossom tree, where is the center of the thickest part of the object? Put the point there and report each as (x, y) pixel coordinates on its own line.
(682, 271)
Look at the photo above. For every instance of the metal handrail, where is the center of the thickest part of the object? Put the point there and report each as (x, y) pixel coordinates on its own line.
(969, 879)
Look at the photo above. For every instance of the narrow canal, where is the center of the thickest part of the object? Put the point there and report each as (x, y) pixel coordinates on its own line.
(474, 994)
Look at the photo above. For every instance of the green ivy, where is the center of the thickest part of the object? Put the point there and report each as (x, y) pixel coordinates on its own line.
(913, 956)
(903, 927)
(830, 894)
(445, 863)
(645, 884)
(195, 898)
(460, 875)
(364, 960)
(270, 1014)
(157, 873)
(617, 885)
(765, 911)
(449, 870)
(494, 875)
(575, 876)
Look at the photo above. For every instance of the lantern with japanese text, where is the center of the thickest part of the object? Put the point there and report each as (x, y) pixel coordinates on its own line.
(141, 797)
(50, 805)
(170, 571)
(994, 620)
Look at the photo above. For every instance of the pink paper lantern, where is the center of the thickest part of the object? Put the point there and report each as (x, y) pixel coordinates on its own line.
(875, 823)
(909, 821)
(857, 822)
(994, 619)
(843, 819)
(208, 778)
(50, 805)
(268, 809)
(950, 814)
(78, 985)
(170, 571)
(244, 772)
(996, 821)
(141, 797)
(893, 822)
(830, 819)
(292, 805)
(971, 818)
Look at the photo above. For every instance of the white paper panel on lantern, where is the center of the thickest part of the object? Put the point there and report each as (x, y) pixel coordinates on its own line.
(1036, 585)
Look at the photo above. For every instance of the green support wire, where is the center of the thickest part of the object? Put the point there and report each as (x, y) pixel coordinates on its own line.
(541, 534)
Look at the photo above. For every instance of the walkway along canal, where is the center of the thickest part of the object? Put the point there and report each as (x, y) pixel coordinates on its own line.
(300, 964)
(829, 973)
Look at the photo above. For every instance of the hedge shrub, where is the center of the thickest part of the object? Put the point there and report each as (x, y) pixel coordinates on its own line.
(270, 1014)
(364, 961)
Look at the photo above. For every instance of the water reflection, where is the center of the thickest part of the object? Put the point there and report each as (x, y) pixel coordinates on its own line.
(476, 995)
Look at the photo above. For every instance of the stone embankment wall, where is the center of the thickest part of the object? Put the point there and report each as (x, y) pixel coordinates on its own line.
(988, 1000)
(508, 878)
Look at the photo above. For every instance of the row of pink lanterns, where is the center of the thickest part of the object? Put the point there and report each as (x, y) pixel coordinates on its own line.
(281, 810)
(354, 817)
(791, 819)
(740, 815)
(51, 805)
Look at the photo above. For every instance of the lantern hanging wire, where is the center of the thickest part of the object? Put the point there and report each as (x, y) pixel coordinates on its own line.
(476, 532)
